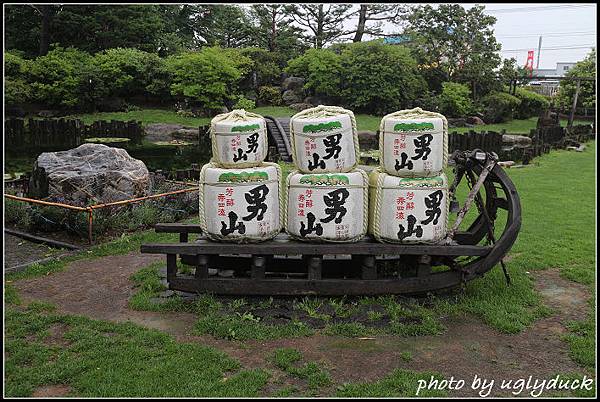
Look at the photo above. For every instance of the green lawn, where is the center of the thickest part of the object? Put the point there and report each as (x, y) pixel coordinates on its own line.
(363, 121)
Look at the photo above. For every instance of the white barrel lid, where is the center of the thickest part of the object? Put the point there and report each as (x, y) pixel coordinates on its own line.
(353, 178)
(309, 125)
(246, 176)
(440, 182)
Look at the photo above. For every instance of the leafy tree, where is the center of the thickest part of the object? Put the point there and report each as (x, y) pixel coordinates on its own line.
(16, 88)
(178, 28)
(378, 14)
(455, 100)
(454, 44)
(273, 31)
(499, 107)
(378, 78)
(122, 72)
(324, 22)
(56, 77)
(223, 25)
(587, 90)
(207, 78)
(321, 69)
(532, 104)
(90, 28)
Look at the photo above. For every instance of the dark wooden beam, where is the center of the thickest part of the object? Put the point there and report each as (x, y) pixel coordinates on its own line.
(326, 287)
(275, 247)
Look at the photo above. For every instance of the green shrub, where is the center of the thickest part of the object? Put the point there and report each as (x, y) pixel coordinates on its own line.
(455, 100)
(269, 95)
(122, 72)
(499, 107)
(321, 68)
(244, 103)
(264, 69)
(532, 104)
(16, 88)
(207, 78)
(57, 78)
(378, 78)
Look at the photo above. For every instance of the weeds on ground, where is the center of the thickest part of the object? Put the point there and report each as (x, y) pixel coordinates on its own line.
(287, 359)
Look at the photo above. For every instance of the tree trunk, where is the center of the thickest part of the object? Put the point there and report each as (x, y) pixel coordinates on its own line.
(319, 36)
(46, 12)
(273, 36)
(362, 19)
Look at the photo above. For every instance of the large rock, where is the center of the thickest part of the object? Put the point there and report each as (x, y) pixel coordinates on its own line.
(298, 107)
(368, 140)
(90, 173)
(475, 120)
(292, 96)
(292, 83)
(516, 139)
(456, 122)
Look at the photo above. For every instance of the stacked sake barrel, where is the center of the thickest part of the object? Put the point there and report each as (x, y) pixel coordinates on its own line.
(408, 193)
(239, 192)
(327, 197)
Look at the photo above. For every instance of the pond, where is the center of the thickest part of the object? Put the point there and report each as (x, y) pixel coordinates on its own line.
(163, 156)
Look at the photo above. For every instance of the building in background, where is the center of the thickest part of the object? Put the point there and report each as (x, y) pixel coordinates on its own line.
(560, 70)
(549, 87)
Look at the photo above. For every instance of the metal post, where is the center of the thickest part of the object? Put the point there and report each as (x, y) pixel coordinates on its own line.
(572, 115)
(90, 225)
(537, 65)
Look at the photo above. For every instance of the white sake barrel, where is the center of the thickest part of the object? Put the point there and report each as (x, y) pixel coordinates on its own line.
(413, 143)
(240, 205)
(329, 207)
(408, 210)
(324, 140)
(239, 139)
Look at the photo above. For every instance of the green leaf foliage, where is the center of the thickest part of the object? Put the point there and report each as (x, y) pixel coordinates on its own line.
(499, 107)
(532, 104)
(207, 78)
(455, 100)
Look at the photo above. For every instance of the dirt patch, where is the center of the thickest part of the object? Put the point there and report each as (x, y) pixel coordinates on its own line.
(18, 252)
(100, 289)
(56, 337)
(46, 391)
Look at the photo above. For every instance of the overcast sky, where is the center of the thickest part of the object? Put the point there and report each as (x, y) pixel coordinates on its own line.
(568, 30)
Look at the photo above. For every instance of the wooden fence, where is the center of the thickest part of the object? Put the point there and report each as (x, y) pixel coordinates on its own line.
(61, 134)
(542, 140)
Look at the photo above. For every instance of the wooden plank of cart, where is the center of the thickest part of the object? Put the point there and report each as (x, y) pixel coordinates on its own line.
(276, 267)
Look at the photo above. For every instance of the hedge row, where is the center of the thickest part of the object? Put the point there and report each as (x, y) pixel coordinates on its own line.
(367, 77)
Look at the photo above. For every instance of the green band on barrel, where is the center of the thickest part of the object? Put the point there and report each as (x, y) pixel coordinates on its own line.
(250, 127)
(421, 182)
(413, 126)
(313, 128)
(243, 177)
(324, 179)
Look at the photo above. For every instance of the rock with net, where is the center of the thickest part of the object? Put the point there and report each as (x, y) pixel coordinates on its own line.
(89, 174)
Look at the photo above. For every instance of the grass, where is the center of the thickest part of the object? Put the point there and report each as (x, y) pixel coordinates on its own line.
(400, 383)
(363, 121)
(100, 359)
(517, 126)
(150, 116)
(287, 359)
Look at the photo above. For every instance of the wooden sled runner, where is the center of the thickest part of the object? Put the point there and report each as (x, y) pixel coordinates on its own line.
(283, 266)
